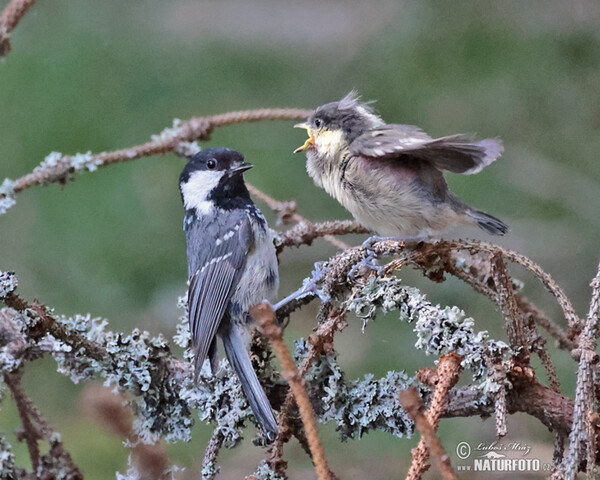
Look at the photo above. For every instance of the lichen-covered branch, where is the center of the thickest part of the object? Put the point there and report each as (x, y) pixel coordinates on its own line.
(354, 280)
(583, 440)
(59, 168)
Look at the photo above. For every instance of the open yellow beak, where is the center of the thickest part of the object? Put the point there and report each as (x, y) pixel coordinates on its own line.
(311, 138)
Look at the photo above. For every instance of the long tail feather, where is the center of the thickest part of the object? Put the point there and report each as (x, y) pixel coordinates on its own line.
(237, 353)
(487, 222)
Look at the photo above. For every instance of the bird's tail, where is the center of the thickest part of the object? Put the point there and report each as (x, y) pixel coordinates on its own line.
(237, 353)
(487, 222)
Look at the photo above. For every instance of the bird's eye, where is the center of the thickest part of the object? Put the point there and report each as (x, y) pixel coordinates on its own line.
(318, 122)
(211, 164)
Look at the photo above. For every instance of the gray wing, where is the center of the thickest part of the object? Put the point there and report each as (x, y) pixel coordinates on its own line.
(455, 153)
(214, 280)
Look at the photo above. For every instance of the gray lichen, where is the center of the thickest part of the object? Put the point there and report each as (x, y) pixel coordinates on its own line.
(7, 195)
(438, 329)
(8, 283)
(265, 472)
(7, 459)
(358, 406)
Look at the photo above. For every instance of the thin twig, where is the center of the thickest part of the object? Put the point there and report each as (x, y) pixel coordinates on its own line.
(30, 432)
(265, 318)
(320, 341)
(196, 128)
(573, 320)
(209, 470)
(412, 403)
(582, 436)
(447, 376)
(305, 233)
(514, 323)
(9, 18)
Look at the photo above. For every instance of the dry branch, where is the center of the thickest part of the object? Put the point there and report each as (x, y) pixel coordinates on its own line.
(429, 442)
(196, 128)
(427, 422)
(583, 439)
(264, 316)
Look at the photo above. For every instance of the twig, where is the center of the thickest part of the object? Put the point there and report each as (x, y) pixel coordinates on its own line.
(209, 462)
(305, 232)
(427, 423)
(582, 435)
(573, 320)
(10, 16)
(412, 403)
(30, 432)
(320, 341)
(515, 327)
(48, 324)
(196, 128)
(265, 318)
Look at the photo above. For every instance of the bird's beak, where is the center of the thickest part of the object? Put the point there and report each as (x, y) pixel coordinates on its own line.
(311, 138)
(242, 167)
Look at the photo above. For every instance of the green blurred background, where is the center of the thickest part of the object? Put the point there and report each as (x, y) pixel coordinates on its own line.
(106, 75)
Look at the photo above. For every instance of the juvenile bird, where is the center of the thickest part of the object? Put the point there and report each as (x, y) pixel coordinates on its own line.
(231, 265)
(389, 176)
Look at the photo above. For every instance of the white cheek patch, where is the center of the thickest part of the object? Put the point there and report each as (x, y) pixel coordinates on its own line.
(197, 189)
(329, 142)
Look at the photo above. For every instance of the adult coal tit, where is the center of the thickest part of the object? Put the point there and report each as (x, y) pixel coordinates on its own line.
(231, 266)
(389, 176)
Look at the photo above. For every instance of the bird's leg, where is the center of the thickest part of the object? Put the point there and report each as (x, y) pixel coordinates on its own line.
(371, 241)
(308, 289)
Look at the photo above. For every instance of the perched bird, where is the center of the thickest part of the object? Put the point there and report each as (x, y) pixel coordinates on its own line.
(231, 265)
(389, 176)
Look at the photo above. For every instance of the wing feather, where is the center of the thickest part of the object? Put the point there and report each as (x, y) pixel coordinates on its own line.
(455, 153)
(213, 284)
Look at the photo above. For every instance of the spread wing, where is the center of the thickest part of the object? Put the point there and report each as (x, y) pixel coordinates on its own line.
(214, 280)
(455, 153)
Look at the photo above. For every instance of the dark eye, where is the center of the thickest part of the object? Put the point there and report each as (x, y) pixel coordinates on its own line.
(318, 122)
(211, 164)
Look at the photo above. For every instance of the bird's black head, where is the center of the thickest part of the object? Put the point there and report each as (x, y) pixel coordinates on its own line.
(213, 176)
(215, 159)
(348, 114)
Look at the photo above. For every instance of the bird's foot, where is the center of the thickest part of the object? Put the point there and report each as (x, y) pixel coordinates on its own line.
(370, 242)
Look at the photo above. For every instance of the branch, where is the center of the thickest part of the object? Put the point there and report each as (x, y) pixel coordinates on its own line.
(10, 16)
(58, 168)
(429, 442)
(446, 377)
(30, 432)
(264, 316)
(209, 462)
(305, 232)
(583, 435)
